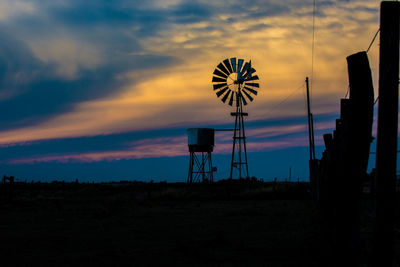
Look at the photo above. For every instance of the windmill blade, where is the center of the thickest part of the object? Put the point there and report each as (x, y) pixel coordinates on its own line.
(248, 69)
(233, 62)
(253, 84)
(250, 90)
(220, 92)
(218, 79)
(239, 67)
(252, 78)
(249, 72)
(228, 65)
(247, 81)
(219, 85)
(244, 70)
(231, 100)
(220, 73)
(224, 70)
(242, 98)
(248, 96)
(226, 96)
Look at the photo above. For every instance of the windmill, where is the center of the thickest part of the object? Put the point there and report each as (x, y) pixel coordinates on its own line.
(235, 84)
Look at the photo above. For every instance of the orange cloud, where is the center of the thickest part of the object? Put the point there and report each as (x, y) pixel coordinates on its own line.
(182, 94)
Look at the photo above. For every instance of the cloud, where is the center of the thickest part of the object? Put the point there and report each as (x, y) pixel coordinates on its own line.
(36, 87)
(256, 27)
(11, 8)
(18, 67)
(191, 13)
(70, 58)
(88, 70)
(146, 148)
(262, 136)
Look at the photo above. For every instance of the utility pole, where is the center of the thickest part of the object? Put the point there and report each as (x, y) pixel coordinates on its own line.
(387, 134)
(312, 163)
(310, 123)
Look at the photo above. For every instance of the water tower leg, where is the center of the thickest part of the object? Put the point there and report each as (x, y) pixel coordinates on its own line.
(190, 173)
(203, 163)
(210, 167)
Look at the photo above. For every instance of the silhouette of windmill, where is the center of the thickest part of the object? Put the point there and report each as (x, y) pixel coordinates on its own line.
(234, 80)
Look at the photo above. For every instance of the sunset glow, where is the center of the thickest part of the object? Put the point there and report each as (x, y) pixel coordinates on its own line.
(124, 81)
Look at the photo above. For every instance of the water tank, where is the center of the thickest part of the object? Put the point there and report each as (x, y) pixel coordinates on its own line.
(200, 139)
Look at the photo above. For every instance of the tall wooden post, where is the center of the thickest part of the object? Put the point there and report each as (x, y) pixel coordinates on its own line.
(312, 163)
(387, 134)
(310, 123)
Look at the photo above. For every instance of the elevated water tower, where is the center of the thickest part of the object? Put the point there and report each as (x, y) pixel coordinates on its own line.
(201, 145)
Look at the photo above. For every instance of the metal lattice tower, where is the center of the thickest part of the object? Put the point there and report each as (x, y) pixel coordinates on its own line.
(239, 151)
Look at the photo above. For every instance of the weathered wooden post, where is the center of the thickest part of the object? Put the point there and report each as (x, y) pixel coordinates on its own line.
(344, 163)
(312, 163)
(387, 134)
(350, 152)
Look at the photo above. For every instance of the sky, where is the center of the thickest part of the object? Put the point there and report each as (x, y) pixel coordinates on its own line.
(105, 90)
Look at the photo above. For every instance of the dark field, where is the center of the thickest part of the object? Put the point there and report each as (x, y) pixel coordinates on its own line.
(240, 224)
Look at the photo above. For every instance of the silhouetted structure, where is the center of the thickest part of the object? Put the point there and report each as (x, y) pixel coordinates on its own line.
(344, 162)
(242, 87)
(310, 123)
(239, 151)
(312, 163)
(387, 133)
(201, 144)
(9, 179)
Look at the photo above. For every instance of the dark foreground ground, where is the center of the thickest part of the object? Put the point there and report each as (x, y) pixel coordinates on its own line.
(243, 224)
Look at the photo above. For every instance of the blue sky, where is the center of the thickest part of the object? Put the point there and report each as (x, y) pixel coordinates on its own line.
(104, 90)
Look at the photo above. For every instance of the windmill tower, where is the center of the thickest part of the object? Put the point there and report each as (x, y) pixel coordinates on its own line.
(233, 79)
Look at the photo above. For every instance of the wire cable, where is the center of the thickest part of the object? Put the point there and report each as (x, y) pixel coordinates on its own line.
(369, 47)
(313, 47)
(347, 91)
(270, 111)
(376, 100)
(373, 39)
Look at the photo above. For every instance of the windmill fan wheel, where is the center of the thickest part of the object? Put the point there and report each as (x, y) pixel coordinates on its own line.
(234, 79)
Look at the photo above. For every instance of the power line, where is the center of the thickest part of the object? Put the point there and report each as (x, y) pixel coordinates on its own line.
(376, 100)
(347, 91)
(313, 45)
(371, 43)
(283, 101)
(373, 39)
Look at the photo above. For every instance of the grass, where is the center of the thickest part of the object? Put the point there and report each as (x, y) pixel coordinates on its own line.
(239, 224)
